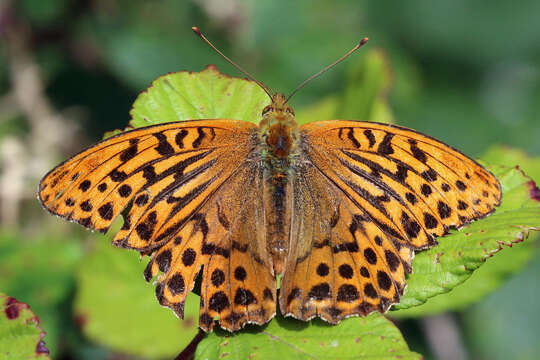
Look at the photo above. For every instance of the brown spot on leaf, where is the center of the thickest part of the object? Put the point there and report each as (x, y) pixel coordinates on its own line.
(12, 307)
(534, 191)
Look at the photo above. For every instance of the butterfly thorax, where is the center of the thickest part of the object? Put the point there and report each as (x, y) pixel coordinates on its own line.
(279, 136)
(279, 131)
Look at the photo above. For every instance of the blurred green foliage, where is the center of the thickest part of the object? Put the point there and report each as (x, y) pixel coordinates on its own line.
(464, 72)
(118, 309)
(40, 272)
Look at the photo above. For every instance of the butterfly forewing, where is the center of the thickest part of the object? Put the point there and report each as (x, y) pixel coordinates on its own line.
(366, 196)
(442, 186)
(153, 167)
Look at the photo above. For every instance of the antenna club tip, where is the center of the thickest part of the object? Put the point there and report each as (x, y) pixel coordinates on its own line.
(363, 41)
(196, 30)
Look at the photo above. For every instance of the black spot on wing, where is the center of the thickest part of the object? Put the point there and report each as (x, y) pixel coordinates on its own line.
(392, 260)
(444, 210)
(364, 272)
(217, 278)
(462, 205)
(426, 189)
(460, 185)
(201, 135)
(164, 260)
(267, 294)
(347, 293)
(222, 218)
(106, 211)
(188, 257)
(130, 152)
(346, 271)
(218, 302)
(370, 291)
(124, 190)
(411, 198)
(179, 138)
(145, 229)
(176, 284)
(118, 176)
(163, 148)
(323, 270)
(85, 185)
(370, 256)
(416, 151)
(240, 273)
(141, 200)
(320, 292)
(429, 175)
(429, 221)
(412, 228)
(86, 206)
(351, 137)
(244, 297)
(385, 147)
(383, 280)
(370, 137)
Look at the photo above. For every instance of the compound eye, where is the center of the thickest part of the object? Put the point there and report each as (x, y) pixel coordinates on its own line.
(266, 110)
(290, 111)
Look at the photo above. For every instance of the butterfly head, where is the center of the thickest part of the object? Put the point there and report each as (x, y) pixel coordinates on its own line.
(278, 128)
(278, 107)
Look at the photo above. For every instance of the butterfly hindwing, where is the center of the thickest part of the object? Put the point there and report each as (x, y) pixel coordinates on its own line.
(340, 263)
(238, 285)
(367, 196)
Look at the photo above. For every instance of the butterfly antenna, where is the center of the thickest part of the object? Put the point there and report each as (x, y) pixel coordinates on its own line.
(198, 32)
(362, 42)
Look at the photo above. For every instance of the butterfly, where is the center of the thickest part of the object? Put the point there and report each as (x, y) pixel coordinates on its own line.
(334, 208)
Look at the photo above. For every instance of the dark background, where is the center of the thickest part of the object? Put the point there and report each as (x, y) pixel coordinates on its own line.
(466, 72)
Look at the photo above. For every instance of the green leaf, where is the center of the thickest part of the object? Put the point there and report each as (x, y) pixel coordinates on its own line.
(117, 308)
(507, 156)
(20, 335)
(363, 97)
(497, 269)
(372, 337)
(458, 254)
(484, 280)
(40, 272)
(204, 95)
(208, 95)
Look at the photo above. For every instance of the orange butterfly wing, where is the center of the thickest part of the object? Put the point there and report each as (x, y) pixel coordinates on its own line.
(238, 284)
(366, 196)
(188, 192)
